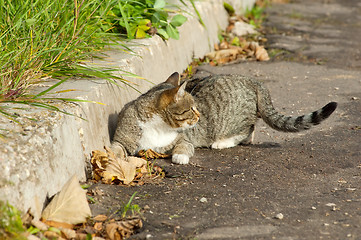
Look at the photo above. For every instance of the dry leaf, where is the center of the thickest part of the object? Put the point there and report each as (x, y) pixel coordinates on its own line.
(70, 205)
(81, 236)
(224, 53)
(58, 224)
(216, 47)
(123, 229)
(112, 232)
(98, 160)
(261, 54)
(151, 154)
(51, 235)
(122, 169)
(100, 218)
(68, 233)
(125, 170)
(98, 226)
(108, 167)
(224, 45)
(254, 49)
(32, 237)
(40, 225)
(97, 238)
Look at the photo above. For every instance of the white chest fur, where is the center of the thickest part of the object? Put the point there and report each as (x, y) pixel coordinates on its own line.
(156, 134)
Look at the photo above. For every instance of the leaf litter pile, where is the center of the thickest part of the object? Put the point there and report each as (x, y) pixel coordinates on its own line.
(68, 215)
(126, 170)
(239, 42)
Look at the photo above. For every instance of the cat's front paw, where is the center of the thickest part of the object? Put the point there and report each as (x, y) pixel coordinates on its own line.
(180, 159)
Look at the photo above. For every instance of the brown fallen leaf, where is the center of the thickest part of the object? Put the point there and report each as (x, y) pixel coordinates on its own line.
(224, 45)
(70, 205)
(40, 225)
(123, 229)
(212, 63)
(58, 224)
(261, 54)
(254, 49)
(122, 169)
(68, 233)
(109, 168)
(51, 235)
(151, 154)
(98, 226)
(224, 53)
(100, 218)
(81, 236)
(98, 160)
(225, 60)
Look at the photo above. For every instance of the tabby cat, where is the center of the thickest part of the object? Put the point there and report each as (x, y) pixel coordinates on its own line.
(218, 111)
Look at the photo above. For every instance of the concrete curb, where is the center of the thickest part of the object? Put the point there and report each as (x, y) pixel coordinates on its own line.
(38, 158)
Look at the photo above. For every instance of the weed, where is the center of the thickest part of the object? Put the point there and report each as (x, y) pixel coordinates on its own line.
(47, 39)
(134, 208)
(256, 15)
(229, 8)
(141, 18)
(11, 226)
(150, 167)
(51, 39)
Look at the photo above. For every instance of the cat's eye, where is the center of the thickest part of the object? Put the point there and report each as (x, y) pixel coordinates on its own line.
(184, 112)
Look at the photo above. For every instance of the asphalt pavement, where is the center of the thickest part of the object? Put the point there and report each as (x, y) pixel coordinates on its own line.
(286, 185)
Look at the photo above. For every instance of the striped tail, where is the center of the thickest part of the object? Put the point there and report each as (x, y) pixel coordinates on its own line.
(287, 123)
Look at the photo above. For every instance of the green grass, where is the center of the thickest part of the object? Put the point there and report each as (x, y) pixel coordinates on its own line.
(41, 39)
(11, 226)
(128, 209)
(134, 208)
(256, 15)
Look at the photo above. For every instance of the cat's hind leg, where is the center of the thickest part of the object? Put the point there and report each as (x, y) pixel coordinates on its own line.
(228, 142)
(249, 140)
(244, 138)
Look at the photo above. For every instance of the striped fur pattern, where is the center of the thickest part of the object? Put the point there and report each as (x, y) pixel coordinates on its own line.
(230, 106)
(218, 111)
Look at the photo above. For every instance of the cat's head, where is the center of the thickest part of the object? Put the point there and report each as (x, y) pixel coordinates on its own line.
(177, 106)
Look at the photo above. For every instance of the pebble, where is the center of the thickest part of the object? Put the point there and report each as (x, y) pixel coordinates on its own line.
(279, 216)
(203, 200)
(242, 28)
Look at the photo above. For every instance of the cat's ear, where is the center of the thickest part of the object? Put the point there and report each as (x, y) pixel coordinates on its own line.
(180, 92)
(174, 79)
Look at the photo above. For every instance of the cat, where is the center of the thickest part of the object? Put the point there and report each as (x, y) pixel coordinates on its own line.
(218, 111)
